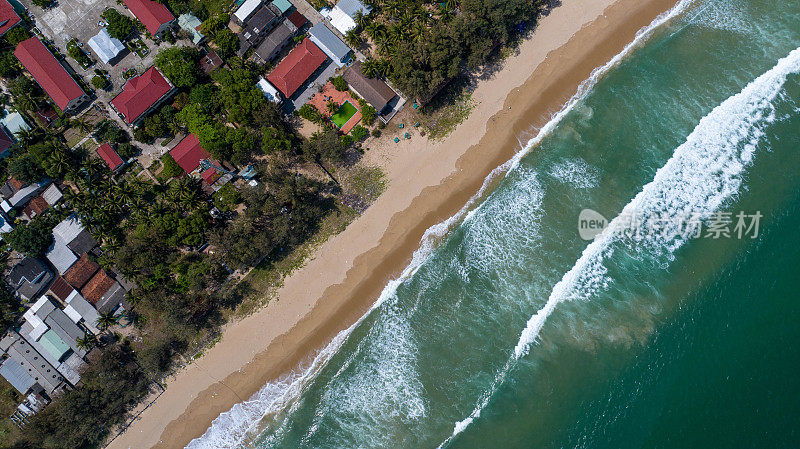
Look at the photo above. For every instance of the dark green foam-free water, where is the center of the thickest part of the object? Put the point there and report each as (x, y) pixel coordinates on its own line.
(516, 333)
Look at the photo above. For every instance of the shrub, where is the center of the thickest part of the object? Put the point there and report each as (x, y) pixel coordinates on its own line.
(368, 113)
(339, 83)
(376, 133)
(141, 135)
(99, 82)
(16, 35)
(171, 168)
(359, 133)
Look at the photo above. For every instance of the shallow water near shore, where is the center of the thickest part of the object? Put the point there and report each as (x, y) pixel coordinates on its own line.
(517, 333)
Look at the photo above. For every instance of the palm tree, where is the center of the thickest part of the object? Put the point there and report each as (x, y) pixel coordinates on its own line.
(107, 320)
(28, 136)
(361, 20)
(332, 106)
(87, 342)
(370, 68)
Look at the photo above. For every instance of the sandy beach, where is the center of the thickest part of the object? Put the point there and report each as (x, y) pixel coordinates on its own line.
(428, 182)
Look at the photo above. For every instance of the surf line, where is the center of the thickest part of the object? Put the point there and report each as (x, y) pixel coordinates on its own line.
(703, 174)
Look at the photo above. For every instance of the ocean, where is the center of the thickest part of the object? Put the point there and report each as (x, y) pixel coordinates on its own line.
(672, 328)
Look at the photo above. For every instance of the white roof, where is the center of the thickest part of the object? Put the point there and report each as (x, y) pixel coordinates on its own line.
(269, 90)
(105, 46)
(68, 229)
(329, 43)
(5, 226)
(14, 123)
(60, 255)
(32, 317)
(343, 15)
(52, 195)
(246, 10)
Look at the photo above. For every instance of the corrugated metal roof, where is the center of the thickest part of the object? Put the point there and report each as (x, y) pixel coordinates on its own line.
(53, 344)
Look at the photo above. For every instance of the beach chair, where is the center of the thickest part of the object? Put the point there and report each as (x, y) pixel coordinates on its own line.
(396, 139)
(401, 126)
(408, 135)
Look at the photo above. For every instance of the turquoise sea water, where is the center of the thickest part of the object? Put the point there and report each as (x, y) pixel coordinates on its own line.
(514, 332)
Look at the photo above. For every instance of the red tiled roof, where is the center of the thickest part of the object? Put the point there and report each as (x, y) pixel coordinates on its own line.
(97, 287)
(110, 156)
(16, 183)
(80, 272)
(48, 72)
(295, 69)
(140, 93)
(5, 140)
(151, 14)
(36, 207)
(298, 19)
(8, 17)
(210, 61)
(61, 289)
(188, 153)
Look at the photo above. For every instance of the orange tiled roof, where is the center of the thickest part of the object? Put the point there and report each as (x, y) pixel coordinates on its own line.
(97, 287)
(79, 274)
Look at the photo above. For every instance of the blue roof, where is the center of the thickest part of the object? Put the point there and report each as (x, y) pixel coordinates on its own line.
(16, 375)
(282, 5)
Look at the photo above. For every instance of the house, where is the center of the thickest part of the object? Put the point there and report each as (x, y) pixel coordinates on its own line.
(18, 194)
(52, 195)
(35, 207)
(29, 278)
(141, 95)
(81, 272)
(153, 15)
(46, 116)
(298, 19)
(274, 42)
(8, 17)
(14, 123)
(74, 235)
(244, 12)
(343, 15)
(296, 68)
(257, 28)
(188, 154)
(270, 91)
(329, 43)
(210, 62)
(60, 255)
(109, 156)
(103, 292)
(106, 48)
(191, 25)
(55, 336)
(50, 74)
(26, 369)
(5, 225)
(76, 307)
(377, 93)
(283, 6)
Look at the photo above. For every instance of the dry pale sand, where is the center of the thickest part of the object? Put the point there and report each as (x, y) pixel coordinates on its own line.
(428, 182)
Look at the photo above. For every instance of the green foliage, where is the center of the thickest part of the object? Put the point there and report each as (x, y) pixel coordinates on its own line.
(311, 113)
(44, 4)
(108, 131)
(368, 113)
(376, 133)
(126, 150)
(359, 133)
(325, 145)
(243, 144)
(119, 26)
(16, 35)
(179, 64)
(25, 169)
(227, 198)
(53, 158)
(161, 124)
(227, 42)
(171, 168)
(339, 83)
(100, 82)
(9, 65)
(9, 307)
(239, 94)
(32, 239)
(75, 52)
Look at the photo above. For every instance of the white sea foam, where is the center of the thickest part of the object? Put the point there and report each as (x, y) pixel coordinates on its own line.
(701, 177)
(232, 428)
(575, 172)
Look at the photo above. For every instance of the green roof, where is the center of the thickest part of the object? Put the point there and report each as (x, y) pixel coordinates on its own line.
(54, 344)
(283, 5)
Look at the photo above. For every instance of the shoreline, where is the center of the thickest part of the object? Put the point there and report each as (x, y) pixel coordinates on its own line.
(428, 183)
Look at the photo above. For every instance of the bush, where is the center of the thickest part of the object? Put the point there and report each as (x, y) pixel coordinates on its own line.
(141, 135)
(119, 26)
(359, 133)
(376, 133)
(310, 113)
(44, 4)
(100, 82)
(16, 35)
(339, 83)
(32, 239)
(367, 112)
(171, 168)
(127, 150)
